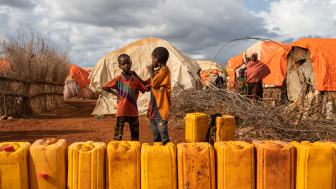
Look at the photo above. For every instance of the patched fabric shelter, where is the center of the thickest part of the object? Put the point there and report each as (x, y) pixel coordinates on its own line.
(209, 68)
(183, 72)
(76, 83)
(312, 60)
(273, 54)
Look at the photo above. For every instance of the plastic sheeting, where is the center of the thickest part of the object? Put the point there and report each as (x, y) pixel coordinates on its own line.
(183, 70)
(272, 54)
(322, 56)
(4, 66)
(208, 67)
(81, 76)
(89, 70)
(71, 89)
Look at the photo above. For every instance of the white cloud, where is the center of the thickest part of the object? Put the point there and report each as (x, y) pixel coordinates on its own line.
(93, 29)
(297, 18)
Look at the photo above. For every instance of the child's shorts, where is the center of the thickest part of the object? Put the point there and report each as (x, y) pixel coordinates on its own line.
(119, 128)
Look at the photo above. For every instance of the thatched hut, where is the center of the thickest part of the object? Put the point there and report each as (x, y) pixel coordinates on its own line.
(32, 75)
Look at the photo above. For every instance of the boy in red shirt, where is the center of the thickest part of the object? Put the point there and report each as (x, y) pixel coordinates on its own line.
(160, 86)
(128, 87)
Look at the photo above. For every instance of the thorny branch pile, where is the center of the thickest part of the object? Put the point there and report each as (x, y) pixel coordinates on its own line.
(258, 120)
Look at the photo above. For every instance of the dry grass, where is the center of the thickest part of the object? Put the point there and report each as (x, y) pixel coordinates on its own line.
(34, 81)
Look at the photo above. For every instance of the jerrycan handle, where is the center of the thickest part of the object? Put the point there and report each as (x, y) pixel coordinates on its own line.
(195, 148)
(50, 141)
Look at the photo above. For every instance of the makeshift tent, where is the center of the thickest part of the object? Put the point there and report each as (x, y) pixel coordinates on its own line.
(273, 54)
(76, 83)
(312, 60)
(183, 72)
(89, 70)
(210, 68)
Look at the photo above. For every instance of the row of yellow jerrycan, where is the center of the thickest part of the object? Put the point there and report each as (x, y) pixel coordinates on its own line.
(229, 165)
(196, 127)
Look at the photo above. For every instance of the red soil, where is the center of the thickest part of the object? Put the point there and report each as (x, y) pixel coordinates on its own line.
(75, 124)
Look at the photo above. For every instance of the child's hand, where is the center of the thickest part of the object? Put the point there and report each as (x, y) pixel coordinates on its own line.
(118, 98)
(147, 89)
(133, 73)
(150, 67)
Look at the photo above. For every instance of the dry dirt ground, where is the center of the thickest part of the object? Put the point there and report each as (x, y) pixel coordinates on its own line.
(74, 123)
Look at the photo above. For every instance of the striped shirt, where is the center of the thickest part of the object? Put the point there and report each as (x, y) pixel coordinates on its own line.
(128, 90)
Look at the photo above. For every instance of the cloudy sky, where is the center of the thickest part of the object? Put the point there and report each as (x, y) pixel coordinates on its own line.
(198, 28)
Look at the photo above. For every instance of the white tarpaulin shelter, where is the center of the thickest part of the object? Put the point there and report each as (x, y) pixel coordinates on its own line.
(183, 72)
(207, 65)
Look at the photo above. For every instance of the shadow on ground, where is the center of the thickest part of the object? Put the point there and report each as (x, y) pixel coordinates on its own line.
(33, 135)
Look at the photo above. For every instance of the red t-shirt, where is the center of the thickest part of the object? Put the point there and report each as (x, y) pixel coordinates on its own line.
(128, 89)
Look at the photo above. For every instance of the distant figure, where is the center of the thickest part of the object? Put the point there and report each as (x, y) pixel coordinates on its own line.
(220, 82)
(248, 59)
(242, 86)
(256, 71)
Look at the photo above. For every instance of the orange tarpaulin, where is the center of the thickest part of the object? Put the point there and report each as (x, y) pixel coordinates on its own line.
(81, 76)
(4, 65)
(205, 76)
(323, 58)
(273, 55)
(231, 66)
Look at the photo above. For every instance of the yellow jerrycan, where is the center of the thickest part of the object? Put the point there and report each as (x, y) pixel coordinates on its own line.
(196, 166)
(123, 165)
(86, 165)
(47, 164)
(226, 128)
(14, 165)
(274, 164)
(158, 166)
(196, 127)
(235, 165)
(315, 165)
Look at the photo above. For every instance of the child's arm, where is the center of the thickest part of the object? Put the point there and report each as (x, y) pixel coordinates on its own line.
(111, 85)
(151, 71)
(113, 92)
(136, 75)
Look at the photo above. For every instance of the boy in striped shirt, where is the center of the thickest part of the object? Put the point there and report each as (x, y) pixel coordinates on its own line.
(128, 86)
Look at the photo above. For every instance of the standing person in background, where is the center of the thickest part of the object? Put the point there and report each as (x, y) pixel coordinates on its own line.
(160, 89)
(256, 71)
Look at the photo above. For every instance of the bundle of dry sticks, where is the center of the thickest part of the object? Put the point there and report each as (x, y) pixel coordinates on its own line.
(258, 120)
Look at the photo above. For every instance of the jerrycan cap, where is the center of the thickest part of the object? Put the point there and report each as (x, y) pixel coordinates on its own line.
(8, 148)
(42, 175)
